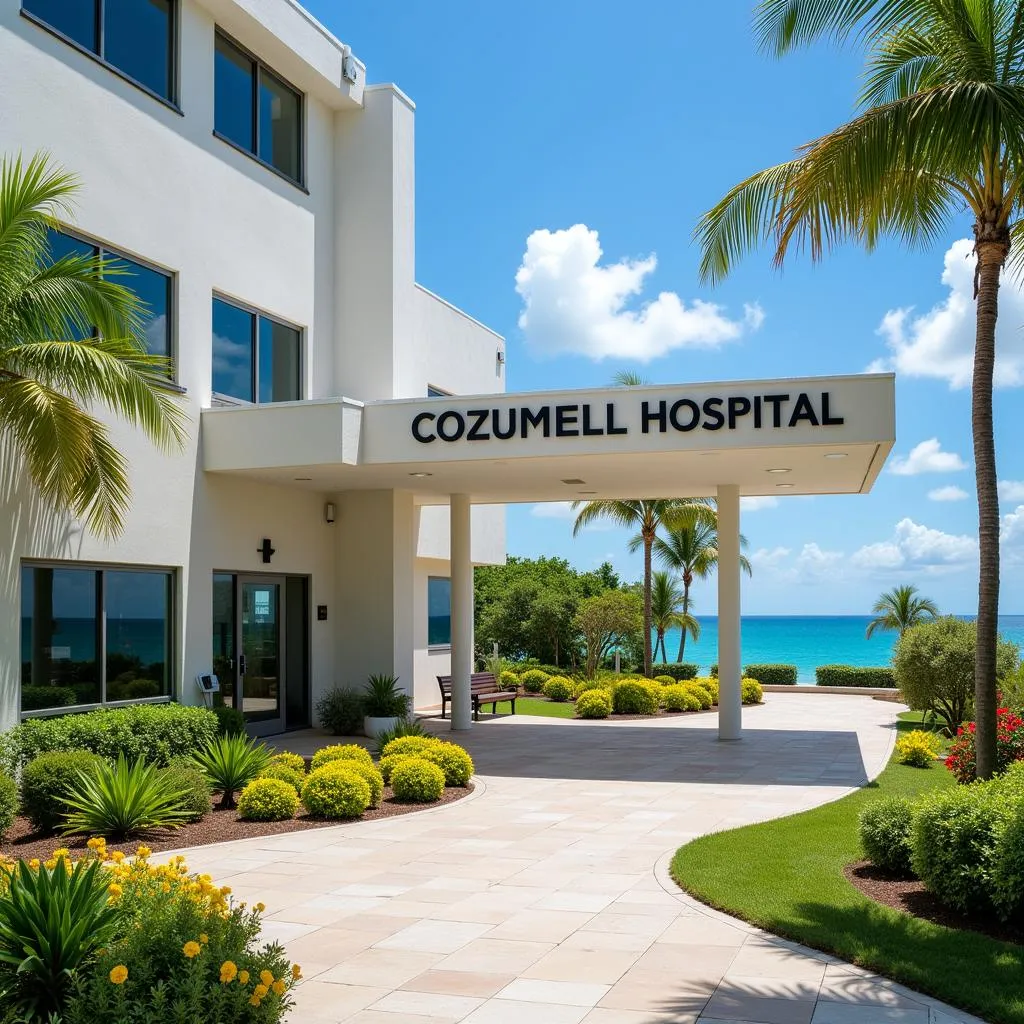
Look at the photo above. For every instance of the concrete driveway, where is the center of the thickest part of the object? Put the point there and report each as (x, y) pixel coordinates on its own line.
(544, 898)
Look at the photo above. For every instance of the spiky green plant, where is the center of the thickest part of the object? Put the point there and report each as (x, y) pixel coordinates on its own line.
(403, 727)
(231, 763)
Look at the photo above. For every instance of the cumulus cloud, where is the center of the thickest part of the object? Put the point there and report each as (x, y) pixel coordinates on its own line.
(574, 304)
(815, 563)
(1011, 536)
(926, 457)
(918, 547)
(949, 493)
(756, 502)
(1011, 490)
(769, 558)
(554, 510)
(940, 343)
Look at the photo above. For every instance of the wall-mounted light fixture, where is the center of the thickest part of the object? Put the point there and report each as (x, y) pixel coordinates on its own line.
(266, 550)
(329, 512)
(500, 357)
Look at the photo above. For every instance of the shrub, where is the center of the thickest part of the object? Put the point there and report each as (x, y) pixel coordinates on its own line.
(1007, 870)
(713, 671)
(533, 680)
(751, 691)
(403, 727)
(701, 695)
(47, 779)
(384, 699)
(680, 671)
(417, 781)
(231, 763)
(8, 804)
(370, 774)
(771, 675)
(294, 761)
(452, 759)
(917, 749)
(680, 698)
(336, 791)
(709, 686)
(665, 680)
(157, 732)
(340, 752)
(34, 698)
(387, 764)
(266, 799)
(230, 721)
(182, 775)
(509, 680)
(582, 685)
(123, 799)
(594, 704)
(409, 745)
(285, 773)
(934, 664)
(558, 688)
(1009, 746)
(341, 711)
(885, 827)
(854, 675)
(636, 697)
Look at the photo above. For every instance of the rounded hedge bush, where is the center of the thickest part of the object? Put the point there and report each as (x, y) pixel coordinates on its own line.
(918, 749)
(509, 680)
(407, 745)
(1006, 884)
(294, 761)
(286, 773)
(268, 800)
(699, 694)
(751, 692)
(680, 698)
(533, 680)
(47, 779)
(453, 760)
(417, 781)
(884, 827)
(8, 803)
(666, 680)
(636, 697)
(370, 773)
(582, 685)
(594, 704)
(335, 791)
(340, 752)
(190, 780)
(558, 688)
(709, 685)
(387, 765)
(230, 721)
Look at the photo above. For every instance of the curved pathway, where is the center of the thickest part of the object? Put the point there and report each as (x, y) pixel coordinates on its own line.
(544, 897)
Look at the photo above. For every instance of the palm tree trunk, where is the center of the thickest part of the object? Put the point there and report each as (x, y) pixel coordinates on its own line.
(648, 544)
(991, 254)
(686, 609)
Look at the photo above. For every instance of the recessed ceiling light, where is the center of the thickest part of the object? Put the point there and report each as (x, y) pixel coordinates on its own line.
(419, 476)
(573, 480)
(303, 478)
(788, 486)
(779, 470)
(835, 455)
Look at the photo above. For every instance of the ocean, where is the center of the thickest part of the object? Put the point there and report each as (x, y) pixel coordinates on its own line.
(807, 641)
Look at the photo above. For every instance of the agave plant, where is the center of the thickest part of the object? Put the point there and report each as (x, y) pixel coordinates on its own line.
(51, 921)
(123, 799)
(231, 763)
(384, 699)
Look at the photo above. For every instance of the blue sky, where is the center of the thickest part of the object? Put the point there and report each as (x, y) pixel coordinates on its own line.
(631, 121)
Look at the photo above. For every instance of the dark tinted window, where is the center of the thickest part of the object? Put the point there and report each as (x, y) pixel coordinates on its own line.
(138, 617)
(439, 611)
(271, 373)
(137, 39)
(234, 94)
(279, 362)
(280, 114)
(232, 351)
(77, 19)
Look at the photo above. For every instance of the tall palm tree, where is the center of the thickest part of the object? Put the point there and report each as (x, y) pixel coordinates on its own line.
(666, 599)
(691, 550)
(940, 133)
(71, 338)
(629, 379)
(899, 609)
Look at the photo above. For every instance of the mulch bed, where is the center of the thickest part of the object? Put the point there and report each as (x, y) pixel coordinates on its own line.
(910, 896)
(217, 827)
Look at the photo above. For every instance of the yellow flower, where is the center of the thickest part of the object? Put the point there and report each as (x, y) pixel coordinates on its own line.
(143, 852)
(50, 864)
(260, 907)
(296, 972)
(228, 972)
(62, 852)
(261, 990)
(115, 890)
(255, 1000)
(191, 949)
(117, 856)
(34, 863)
(266, 978)
(166, 887)
(243, 977)
(118, 974)
(225, 890)
(278, 987)
(204, 938)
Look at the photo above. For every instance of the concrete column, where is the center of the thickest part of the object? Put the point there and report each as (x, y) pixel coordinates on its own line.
(730, 705)
(462, 611)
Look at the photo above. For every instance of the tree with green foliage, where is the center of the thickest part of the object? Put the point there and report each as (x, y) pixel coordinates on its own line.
(605, 622)
(899, 609)
(666, 602)
(940, 133)
(70, 340)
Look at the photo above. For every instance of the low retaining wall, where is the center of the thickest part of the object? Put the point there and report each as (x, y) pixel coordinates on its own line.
(882, 693)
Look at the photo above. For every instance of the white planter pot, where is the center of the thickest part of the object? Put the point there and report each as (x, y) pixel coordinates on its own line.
(373, 727)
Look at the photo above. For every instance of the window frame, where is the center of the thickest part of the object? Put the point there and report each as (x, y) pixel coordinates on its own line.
(257, 314)
(433, 391)
(172, 101)
(447, 646)
(259, 66)
(171, 382)
(101, 569)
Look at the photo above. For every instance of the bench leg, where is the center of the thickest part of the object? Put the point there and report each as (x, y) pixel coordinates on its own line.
(444, 704)
(513, 703)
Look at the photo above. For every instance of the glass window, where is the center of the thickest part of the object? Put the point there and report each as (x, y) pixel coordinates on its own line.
(224, 635)
(256, 109)
(433, 392)
(439, 611)
(66, 613)
(137, 36)
(270, 374)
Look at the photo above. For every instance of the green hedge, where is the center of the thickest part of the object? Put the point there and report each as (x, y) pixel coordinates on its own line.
(681, 670)
(852, 675)
(771, 675)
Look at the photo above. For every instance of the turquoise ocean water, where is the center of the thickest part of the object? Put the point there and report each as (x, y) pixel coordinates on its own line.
(808, 641)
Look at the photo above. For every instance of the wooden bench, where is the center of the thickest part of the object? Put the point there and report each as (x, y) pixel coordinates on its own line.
(484, 688)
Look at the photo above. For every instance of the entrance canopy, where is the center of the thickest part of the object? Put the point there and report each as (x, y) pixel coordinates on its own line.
(815, 435)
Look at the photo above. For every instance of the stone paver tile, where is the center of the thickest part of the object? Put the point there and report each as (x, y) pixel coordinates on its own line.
(434, 936)
(852, 1013)
(511, 1011)
(333, 944)
(649, 925)
(868, 991)
(607, 940)
(503, 956)
(383, 1017)
(567, 899)
(604, 1015)
(436, 1005)
(386, 968)
(571, 993)
(669, 997)
(459, 983)
(541, 925)
(320, 1001)
(565, 963)
(368, 889)
(772, 988)
(284, 931)
(375, 926)
(757, 1008)
(705, 931)
(678, 961)
(776, 962)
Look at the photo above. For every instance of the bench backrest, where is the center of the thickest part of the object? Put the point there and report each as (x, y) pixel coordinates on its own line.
(479, 682)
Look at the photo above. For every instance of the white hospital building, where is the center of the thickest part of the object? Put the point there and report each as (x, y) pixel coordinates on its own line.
(351, 444)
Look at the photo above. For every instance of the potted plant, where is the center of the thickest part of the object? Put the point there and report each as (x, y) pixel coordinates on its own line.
(385, 704)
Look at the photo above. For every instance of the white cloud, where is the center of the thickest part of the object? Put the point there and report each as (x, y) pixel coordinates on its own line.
(1011, 536)
(574, 304)
(554, 510)
(948, 493)
(913, 546)
(940, 343)
(815, 563)
(926, 457)
(1011, 490)
(756, 502)
(769, 558)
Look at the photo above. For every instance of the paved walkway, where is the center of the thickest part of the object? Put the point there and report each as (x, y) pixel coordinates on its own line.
(544, 898)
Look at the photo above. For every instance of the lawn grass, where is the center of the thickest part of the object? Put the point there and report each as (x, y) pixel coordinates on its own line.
(545, 708)
(786, 876)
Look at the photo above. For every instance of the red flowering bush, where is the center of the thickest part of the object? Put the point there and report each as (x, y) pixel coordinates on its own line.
(1009, 746)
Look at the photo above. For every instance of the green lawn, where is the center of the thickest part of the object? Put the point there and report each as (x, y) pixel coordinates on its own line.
(545, 708)
(787, 876)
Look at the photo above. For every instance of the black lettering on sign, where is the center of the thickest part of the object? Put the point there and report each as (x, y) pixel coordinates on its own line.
(566, 418)
(588, 430)
(757, 412)
(476, 429)
(738, 406)
(803, 410)
(423, 417)
(542, 417)
(646, 416)
(610, 420)
(460, 425)
(827, 419)
(691, 407)
(775, 401)
(711, 411)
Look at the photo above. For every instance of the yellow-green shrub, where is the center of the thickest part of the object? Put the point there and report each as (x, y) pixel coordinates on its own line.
(679, 698)
(386, 765)
(701, 695)
(708, 684)
(370, 773)
(335, 791)
(918, 749)
(636, 697)
(594, 704)
(268, 800)
(533, 680)
(558, 688)
(666, 680)
(286, 773)
(453, 760)
(750, 691)
(407, 745)
(582, 685)
(509, 680)
(294, 761)
(417, 780)
(341, 752)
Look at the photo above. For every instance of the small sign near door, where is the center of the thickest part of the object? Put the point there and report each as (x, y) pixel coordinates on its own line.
(321, 612)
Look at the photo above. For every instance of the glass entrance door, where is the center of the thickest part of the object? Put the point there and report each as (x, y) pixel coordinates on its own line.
(260, 664)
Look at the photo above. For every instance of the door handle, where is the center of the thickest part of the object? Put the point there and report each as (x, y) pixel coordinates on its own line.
(241, 664)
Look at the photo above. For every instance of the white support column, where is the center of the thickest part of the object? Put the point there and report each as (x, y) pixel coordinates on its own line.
(462, 611)
(730, 704)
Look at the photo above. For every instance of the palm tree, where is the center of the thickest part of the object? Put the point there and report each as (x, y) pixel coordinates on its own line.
(70, 338)
(629, 379)
(691, 549)
(899, 609)
(666, 598)
(938, 134)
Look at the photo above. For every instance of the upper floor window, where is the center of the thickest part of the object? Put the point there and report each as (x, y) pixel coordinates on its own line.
(135, 37)
(153, 287)
(435, 392)
(255, 358)
(257, 110)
